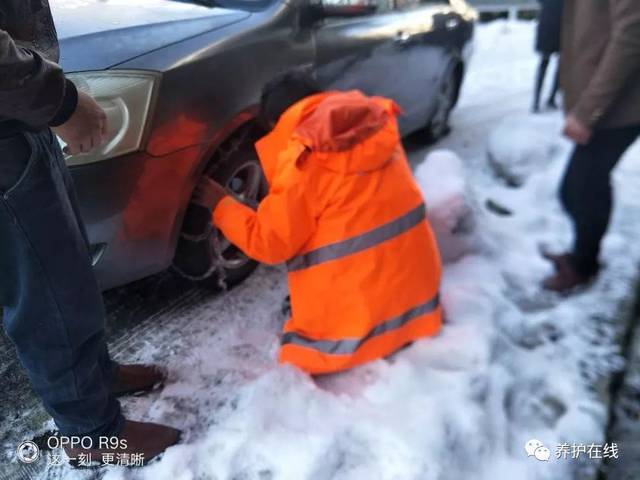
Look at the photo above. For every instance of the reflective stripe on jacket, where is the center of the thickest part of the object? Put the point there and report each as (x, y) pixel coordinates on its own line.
(345, 214)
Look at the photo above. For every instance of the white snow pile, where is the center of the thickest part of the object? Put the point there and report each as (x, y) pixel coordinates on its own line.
(451, 205)
(519, 147)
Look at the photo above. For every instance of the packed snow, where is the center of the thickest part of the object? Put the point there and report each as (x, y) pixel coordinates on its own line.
(519, 147)
(452, 207)
(512, 363)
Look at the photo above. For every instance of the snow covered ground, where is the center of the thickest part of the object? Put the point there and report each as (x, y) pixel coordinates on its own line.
(512, 363)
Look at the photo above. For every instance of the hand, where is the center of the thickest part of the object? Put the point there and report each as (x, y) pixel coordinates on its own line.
(86, 130)
(208, 193)
(576, 131)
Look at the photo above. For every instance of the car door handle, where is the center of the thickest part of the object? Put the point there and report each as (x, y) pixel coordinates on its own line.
(452, 24)
(402, 38)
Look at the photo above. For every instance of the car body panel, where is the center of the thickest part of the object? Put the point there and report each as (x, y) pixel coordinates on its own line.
(399, 54)
(129, 204)
(362, 53)
(238, 58)
(129, 29)
(431, 49)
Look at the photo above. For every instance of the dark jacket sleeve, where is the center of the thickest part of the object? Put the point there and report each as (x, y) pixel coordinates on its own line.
(619, 65)
(33, 90)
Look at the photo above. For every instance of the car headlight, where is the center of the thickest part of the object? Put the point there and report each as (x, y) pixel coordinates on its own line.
(126, 97)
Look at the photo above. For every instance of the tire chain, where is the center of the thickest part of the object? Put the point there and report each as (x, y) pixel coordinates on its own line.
(217, 266)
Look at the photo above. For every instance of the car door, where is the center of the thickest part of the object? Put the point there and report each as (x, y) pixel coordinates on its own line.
(430, 51)
(363, 52)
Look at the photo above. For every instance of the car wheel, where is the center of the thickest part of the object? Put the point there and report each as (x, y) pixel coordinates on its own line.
(203, 254)
(438, 126)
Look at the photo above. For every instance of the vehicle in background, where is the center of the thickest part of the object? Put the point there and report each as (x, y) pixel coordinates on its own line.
(181, 82)
(512, 9)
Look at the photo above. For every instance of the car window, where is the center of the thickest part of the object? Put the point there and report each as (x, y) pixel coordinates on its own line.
(381, 5)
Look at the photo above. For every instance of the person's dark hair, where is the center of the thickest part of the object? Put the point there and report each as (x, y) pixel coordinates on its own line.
(282, 92)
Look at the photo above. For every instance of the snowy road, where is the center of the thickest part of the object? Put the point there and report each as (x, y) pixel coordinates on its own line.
(511, 364)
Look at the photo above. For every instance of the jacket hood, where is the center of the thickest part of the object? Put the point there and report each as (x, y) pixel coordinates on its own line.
(349, 132)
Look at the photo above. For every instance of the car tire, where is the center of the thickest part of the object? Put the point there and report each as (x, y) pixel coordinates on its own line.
(438, 125)
(238, 168)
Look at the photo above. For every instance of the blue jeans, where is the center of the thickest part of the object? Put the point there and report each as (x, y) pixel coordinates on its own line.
(52, 306)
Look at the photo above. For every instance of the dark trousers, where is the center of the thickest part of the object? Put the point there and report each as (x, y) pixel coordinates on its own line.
(52, 306)
(587, 195)
(540, 75)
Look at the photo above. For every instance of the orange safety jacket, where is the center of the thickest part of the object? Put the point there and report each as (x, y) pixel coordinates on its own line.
(345, 214)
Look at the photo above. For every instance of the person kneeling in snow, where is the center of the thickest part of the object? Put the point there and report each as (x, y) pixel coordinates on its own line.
(345, 214)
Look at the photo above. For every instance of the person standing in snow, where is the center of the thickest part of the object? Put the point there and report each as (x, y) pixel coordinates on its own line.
(52, 307)
(600, 77)
(547, 44)
(345, 214)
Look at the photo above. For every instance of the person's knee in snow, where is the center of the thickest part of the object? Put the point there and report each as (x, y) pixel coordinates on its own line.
(346, 216)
